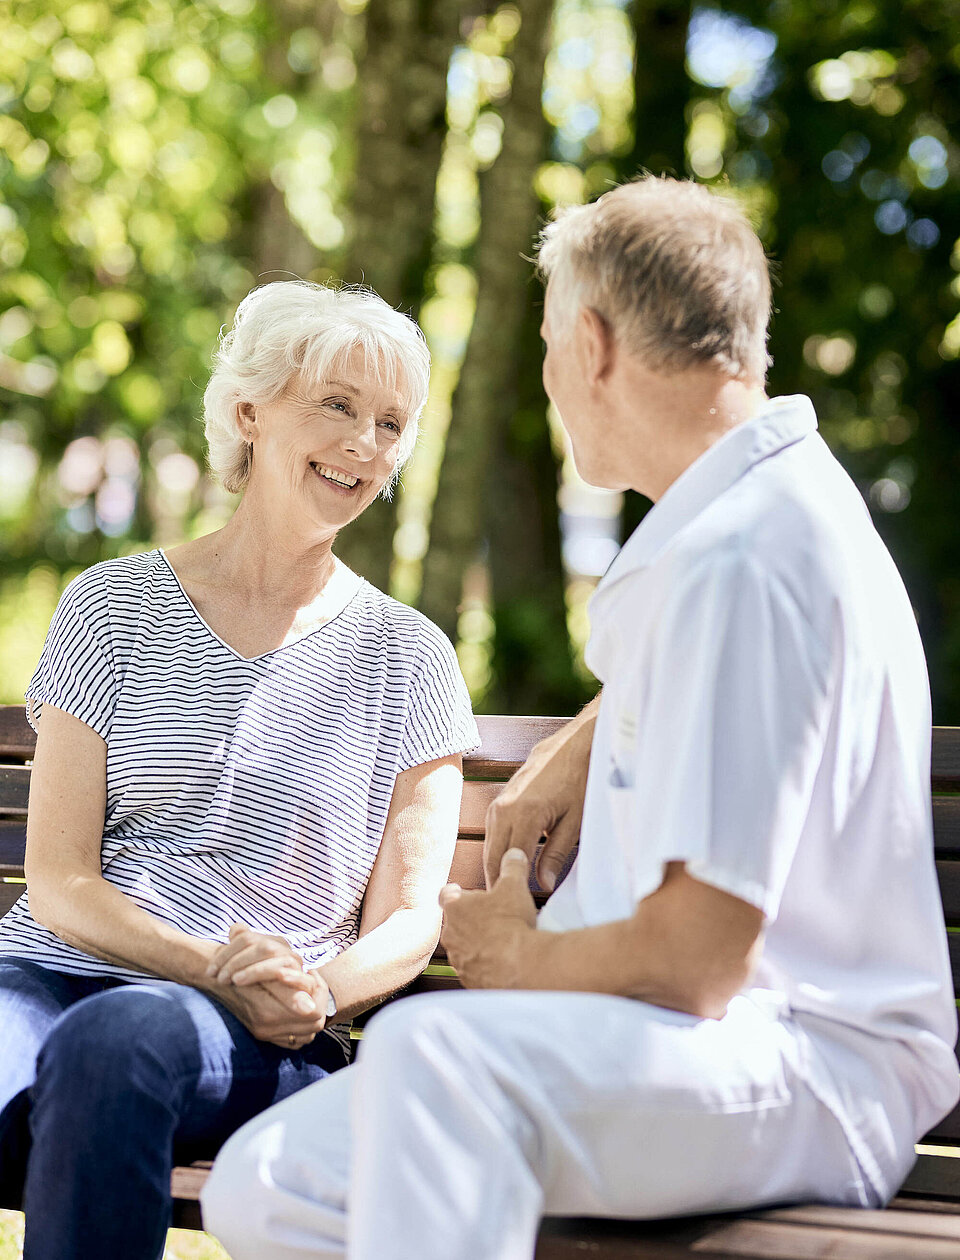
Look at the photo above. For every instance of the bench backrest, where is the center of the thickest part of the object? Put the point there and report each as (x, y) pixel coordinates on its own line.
(507, 742)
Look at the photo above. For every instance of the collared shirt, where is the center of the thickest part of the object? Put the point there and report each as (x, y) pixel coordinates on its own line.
(766, 720)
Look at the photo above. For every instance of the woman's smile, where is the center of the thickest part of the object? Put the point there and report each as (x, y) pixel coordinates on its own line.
(344, 482)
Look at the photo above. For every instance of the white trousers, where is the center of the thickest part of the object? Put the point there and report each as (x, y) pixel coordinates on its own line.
(470, 1115)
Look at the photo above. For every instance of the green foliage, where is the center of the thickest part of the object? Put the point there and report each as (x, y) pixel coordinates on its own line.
(158, 156)
(134, 142)
(847, 153)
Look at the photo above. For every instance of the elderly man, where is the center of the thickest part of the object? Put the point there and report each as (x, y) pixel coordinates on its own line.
(740, 994)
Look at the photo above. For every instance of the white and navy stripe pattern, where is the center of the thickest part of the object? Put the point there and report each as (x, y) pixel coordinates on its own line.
(253, 789)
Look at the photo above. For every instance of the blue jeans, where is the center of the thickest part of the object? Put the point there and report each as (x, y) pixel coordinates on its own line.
(103, 1083)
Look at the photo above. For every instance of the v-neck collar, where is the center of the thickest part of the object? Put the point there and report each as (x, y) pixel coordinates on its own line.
(338, 593)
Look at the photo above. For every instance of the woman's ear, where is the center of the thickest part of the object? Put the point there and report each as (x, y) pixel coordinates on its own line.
(247, 420)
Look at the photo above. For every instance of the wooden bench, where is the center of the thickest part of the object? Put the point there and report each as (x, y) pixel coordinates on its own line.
(924, 1220)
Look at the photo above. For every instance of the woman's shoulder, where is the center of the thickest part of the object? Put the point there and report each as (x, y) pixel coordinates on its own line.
(110, 587)
(402, 621)
(110, 578)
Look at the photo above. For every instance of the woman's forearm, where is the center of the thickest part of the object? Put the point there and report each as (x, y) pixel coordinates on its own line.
(382, 961)
(91, 914)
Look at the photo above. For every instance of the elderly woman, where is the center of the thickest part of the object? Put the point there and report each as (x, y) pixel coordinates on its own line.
(245, 793)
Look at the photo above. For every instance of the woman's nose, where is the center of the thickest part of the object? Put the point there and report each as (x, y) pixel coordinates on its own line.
(361, 438)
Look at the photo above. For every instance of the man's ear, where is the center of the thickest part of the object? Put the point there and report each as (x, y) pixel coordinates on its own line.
(599, 346)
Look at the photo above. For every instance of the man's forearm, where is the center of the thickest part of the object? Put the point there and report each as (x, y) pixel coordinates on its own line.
(544, 798)
(688, 946)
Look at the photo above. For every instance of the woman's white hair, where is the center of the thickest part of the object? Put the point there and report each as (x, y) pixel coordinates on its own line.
(292, 326)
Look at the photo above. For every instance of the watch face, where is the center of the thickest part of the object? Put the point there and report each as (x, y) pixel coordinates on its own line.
(331, 1005)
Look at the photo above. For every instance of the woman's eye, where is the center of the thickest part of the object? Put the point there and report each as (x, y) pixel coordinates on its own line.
(394, 425)
(336, 403)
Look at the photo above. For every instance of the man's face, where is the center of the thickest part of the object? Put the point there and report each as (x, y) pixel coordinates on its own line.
(564, 379)
(559, 373)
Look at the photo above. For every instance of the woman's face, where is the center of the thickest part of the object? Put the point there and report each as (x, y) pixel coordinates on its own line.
(325, 448)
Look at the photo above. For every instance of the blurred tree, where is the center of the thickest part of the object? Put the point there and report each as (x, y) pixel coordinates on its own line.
(662, 89)
(157, 161)
(847, 148)
(531, 666)
(401, 125)
(273, 240)
(662, 94)
(148, 161)
(485, 396)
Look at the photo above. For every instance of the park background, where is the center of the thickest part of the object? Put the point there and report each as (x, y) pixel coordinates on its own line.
(159, 158)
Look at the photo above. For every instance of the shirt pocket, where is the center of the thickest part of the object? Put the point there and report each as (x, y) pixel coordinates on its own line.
(622, 796)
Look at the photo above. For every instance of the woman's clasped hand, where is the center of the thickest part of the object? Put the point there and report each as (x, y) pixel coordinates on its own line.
(269, 987)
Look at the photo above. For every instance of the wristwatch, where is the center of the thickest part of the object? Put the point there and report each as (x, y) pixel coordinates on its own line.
(331, 1004)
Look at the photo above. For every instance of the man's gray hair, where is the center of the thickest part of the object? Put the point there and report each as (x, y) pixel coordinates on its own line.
(675, 269)
(292, 326)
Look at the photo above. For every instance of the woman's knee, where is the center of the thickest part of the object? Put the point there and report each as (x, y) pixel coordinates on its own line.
(230, 1197)
(125, 1034)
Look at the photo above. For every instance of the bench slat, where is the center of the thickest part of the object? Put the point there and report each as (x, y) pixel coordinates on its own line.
(948, 1130)
(9, 893)
(934, 1177)
(17, 738)
(945, 759)
(507, 742)
(476, 800)
(888, 1221)
(948, 873)
(773, 1239)
(14, 789)
(946, 826)
(13, 839)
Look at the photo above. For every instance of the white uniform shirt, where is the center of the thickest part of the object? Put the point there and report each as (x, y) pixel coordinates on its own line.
(766, 719)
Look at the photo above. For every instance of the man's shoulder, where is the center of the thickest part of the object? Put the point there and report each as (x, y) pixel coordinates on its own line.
(796, 518)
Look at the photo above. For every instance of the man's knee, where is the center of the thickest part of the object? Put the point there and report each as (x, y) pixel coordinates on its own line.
(278, 1187)
(231, 1198)
(416, 1030)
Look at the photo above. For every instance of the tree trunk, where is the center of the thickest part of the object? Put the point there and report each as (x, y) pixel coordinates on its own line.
(402, 82)
(661, 89)
(278, 246)
(485, 397)
(661, 97)
(532, 664)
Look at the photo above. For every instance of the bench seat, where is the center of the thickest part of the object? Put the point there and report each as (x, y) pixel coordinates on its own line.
(922, 1223)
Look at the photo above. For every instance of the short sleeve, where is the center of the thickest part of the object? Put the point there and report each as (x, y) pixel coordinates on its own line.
(75, 672)
(440, 718)
(729, 720)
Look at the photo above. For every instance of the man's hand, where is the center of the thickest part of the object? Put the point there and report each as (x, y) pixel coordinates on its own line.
(485, 933)
(544, 798)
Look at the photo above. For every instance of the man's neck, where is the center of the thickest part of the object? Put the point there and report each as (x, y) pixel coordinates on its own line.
(681, 417)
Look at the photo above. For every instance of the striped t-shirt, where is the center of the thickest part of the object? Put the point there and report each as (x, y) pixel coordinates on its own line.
(253, 789)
